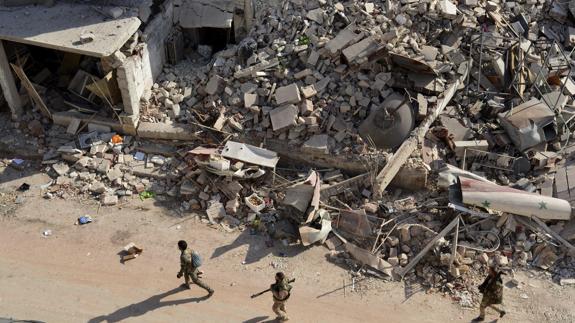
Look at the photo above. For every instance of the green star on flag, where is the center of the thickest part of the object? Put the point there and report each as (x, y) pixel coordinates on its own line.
(542, 205)
(486, 203)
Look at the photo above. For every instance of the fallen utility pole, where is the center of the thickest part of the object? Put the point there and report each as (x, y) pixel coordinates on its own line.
(399, 158)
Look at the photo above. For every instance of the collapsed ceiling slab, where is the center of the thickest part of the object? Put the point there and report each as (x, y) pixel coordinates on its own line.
(60, 27)
(205, 13)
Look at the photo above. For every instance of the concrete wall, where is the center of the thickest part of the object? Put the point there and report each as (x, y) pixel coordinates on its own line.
(155, 34)
(134, 78)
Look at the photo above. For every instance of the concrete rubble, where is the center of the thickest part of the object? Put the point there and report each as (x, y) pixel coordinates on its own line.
(403, 144)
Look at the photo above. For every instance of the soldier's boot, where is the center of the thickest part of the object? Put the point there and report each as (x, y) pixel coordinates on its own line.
(478, 319)
(186, 285)
(502, 313)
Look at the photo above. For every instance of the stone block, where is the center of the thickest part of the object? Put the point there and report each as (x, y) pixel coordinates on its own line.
(214, 85)
(287, 94)
(250, 99)
(317, 144)
(306, 107)
(308, 91)
(283, 117)
(109, 200)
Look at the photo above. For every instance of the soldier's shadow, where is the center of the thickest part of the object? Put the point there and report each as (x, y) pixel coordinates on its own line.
(141, 308)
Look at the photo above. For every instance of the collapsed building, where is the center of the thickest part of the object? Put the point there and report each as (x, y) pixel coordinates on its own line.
(99, 59)
(415, 139)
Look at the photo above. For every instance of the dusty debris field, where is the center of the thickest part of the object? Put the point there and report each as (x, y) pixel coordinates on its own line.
(75, 274)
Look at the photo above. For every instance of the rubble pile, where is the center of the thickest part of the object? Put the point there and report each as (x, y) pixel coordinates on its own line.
(313, 74)
(462, 114)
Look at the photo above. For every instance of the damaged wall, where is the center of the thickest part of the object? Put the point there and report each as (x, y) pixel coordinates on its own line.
(134, 77)
(204, 13)
(155, 35)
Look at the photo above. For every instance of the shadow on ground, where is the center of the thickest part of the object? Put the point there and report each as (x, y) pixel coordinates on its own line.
(143, 307)
(259, 246)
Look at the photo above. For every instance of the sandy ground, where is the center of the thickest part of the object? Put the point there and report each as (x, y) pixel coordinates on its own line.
(75, 275)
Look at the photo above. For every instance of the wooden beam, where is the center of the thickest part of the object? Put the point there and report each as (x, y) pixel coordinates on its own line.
(401, 272)
(399, 158)
(555, 235)
(8, 84)
(34, 96)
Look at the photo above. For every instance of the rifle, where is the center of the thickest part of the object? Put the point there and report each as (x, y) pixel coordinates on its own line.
(269, 289)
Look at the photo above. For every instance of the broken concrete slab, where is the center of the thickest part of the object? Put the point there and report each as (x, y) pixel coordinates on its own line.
(284, 117)
(317, 144)
(215, 85)
(288, 94)
(166, 131)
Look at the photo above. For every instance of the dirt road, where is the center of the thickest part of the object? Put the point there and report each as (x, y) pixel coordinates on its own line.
(75, 275)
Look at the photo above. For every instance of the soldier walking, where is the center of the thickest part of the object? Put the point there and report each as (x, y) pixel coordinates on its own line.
(492, 290)
(189, 263)
(281, 292)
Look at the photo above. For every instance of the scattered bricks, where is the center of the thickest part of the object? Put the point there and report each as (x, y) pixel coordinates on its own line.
(302, 74)
(214, 85)
(393, 241)
(421, 107)
(61, 169)
(404, 235)
(232, 206)
(344, 108)
(340, 136)
(109, 200)
(483, 258)
(316, 15)
(308, 91)
(250, 99)
(309, 121)
(236, 125)
(215, 211)
(448, 8)
(98, 150)
(287, 94)
(97, 187)
(204, 196)
(317, 144)
(403, 259)
(102, 165)
(306, 107)
(342, 40)
(429, 52)
(455, 272)
(394, 261)
(139, 187)
(313, 58)
(445, 259)
(371, 208)
(502, 260)
(284, 117)
(114, 174)
(393, 252)
(73, 126)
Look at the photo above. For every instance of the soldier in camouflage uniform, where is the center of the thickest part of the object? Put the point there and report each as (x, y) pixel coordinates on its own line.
(492, 290)
(281, 292)
(188, 270)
